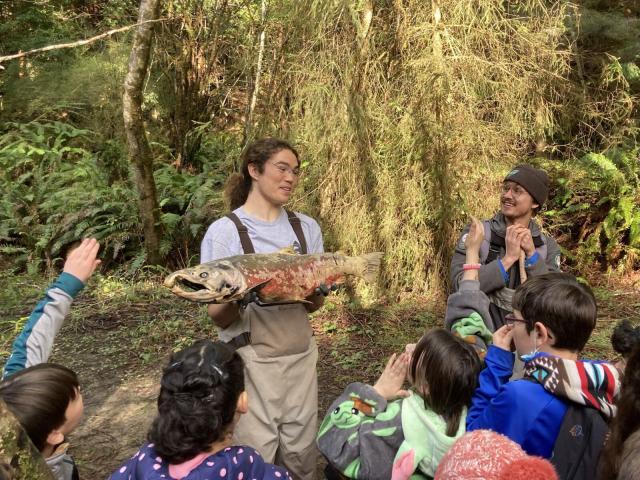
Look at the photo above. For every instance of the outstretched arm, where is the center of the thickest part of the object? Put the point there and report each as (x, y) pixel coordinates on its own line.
(35, 342)
(468, 308)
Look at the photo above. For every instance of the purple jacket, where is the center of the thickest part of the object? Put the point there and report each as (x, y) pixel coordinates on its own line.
(236, 463)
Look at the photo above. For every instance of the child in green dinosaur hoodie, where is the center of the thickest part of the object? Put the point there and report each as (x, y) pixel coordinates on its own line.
(383, 432)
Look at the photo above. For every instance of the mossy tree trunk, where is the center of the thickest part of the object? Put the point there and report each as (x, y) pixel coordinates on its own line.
(19, 459)
(137, 143)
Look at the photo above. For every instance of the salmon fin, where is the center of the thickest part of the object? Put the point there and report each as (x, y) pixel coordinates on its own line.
(369, 265)
(257, 287)
(288, 250)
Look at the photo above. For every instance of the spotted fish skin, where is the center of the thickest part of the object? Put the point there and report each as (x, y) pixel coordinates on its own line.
(276, 277)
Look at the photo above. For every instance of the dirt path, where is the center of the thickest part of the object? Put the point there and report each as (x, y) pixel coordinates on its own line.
(118, 347)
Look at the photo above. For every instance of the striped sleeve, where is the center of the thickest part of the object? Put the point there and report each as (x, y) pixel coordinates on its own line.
(35, 342)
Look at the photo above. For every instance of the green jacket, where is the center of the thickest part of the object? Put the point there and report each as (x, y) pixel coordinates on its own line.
(364, 436)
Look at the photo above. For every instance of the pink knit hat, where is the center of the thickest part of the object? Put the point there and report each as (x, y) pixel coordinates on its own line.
(487, 455)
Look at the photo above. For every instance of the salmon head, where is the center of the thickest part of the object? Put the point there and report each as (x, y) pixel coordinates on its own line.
(213, 282)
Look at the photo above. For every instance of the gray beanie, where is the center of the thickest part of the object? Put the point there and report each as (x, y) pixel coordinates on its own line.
(533, 180)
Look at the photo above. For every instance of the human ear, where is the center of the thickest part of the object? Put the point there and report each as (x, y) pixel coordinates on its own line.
(534, 206)
(243, 403)
(55, 437)
(543, 335)
(253, 171)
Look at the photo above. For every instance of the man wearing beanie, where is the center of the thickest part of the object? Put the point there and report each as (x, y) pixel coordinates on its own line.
(512, 233)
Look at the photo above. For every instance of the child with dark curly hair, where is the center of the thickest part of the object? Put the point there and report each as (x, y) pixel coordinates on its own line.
(201, 399)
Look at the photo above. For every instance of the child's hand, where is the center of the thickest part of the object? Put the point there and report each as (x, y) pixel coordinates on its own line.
(474, 239)
(82, 262)
(409, 348)
(503, 336)
(389, 385)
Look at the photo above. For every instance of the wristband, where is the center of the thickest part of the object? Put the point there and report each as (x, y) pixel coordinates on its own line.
(471, 266)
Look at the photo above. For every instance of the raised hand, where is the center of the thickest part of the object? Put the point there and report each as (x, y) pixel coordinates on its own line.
(389, 385)
(513, 240)
(474, 239)
(526, 243)
(81, 261)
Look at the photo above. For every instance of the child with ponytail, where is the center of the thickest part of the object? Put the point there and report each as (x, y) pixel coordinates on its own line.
(201, 399)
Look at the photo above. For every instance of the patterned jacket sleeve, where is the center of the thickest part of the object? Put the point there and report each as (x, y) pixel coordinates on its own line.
(361, 433)
(35, 342)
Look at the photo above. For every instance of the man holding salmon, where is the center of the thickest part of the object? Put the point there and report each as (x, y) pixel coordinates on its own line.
(276, 342)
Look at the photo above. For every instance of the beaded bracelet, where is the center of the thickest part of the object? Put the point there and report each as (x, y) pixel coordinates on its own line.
(471, 266)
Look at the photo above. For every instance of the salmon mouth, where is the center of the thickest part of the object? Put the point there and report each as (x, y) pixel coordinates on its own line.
(184, 286)
(189, 286)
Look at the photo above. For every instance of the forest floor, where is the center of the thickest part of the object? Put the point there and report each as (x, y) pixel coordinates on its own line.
(120, 332)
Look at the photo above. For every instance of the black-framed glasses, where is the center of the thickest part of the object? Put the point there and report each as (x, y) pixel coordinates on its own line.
(511, 320)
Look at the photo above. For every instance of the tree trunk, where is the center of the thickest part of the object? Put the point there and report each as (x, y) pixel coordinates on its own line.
(139, 149)
(256, 84)
(19, 459)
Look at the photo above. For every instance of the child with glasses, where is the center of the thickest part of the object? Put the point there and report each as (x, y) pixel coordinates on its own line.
(201, 399)
(553, 317)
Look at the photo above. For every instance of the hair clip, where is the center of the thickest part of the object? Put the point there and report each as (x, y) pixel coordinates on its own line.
(218, 369)
(174, 365)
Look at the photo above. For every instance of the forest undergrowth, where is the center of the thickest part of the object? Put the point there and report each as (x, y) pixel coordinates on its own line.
(121, 331)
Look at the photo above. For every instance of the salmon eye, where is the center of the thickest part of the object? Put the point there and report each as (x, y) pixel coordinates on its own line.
(204, 275)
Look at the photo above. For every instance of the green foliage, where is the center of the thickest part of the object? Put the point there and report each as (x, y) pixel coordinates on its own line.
(597, 205)
(406, 119)
(57, 190)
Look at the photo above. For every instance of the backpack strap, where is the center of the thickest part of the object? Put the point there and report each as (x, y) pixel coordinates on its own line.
(496, 243)
(247, 244)
(294, 220)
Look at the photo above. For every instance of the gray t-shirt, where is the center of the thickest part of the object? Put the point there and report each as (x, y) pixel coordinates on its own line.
(276, 330)
(222, 239)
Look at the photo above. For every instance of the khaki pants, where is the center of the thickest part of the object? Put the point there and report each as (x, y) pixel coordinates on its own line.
(283, 408)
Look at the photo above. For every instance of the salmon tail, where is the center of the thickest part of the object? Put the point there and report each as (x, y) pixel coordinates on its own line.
(368, 266)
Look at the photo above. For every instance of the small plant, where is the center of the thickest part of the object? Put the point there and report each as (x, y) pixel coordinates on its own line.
(597, 205)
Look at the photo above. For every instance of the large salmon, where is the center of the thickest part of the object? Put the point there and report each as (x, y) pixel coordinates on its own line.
(279, 277)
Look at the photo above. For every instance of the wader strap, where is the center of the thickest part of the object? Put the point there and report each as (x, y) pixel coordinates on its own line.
(294, 220)
(247, 245)
(495, 244)
(240, 341)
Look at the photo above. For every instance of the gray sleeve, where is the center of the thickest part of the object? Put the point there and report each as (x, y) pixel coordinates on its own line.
(467, 300)
(361, 444)
(35, 342)
(220, 241)
(312, 233)
(490, 275)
